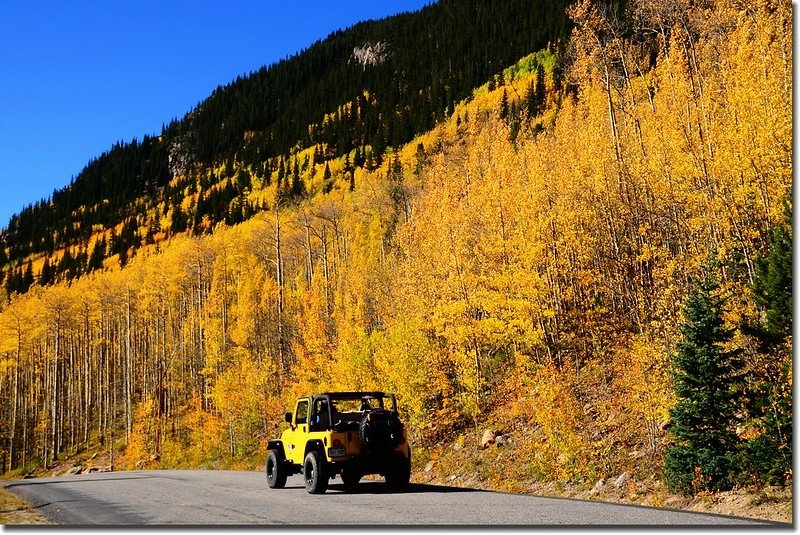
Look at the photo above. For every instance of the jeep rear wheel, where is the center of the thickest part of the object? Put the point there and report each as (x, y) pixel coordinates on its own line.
(398, 476)
(315, 473)
(350, 479)
(276, 471)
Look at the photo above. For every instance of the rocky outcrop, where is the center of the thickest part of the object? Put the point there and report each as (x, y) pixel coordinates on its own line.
(370, 54)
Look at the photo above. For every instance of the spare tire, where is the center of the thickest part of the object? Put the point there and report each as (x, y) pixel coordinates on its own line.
(380, 431)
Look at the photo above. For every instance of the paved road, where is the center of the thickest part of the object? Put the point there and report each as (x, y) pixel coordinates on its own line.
(171, 497)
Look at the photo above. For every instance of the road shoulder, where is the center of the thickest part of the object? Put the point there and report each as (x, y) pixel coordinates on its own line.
(16, 511)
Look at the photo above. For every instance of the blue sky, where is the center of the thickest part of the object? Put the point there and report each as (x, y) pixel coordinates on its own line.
(75, 77)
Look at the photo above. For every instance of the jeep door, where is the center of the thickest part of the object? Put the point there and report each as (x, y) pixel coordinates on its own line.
(295, 438)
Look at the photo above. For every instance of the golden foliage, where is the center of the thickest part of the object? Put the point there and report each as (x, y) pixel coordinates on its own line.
(549, 269)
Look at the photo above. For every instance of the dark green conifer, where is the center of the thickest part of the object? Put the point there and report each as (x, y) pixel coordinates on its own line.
(504, 105)
(705, 376)
(179, 220)
(350, 170)
(65, 265)
(772, 288)
(46, 274)
(27, 278)
(770, 380)
(298, 188)
(98, 254)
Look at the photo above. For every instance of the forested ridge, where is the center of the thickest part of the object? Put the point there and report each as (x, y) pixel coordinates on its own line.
(571, 255)
(412, 70)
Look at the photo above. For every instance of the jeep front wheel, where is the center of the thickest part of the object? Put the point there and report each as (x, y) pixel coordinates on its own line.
(315, 473)
(276, 471)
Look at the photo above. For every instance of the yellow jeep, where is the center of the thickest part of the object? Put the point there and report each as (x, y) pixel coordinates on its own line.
(349, 434)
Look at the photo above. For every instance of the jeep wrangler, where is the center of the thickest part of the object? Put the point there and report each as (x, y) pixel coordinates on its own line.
(349, 434)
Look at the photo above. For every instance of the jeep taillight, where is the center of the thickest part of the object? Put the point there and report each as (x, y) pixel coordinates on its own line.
(337, 443)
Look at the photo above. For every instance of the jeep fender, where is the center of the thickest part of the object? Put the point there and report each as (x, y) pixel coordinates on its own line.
(314, 445)
(277, 445)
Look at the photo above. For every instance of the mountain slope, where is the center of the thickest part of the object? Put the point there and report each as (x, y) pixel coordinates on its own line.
(330, 96)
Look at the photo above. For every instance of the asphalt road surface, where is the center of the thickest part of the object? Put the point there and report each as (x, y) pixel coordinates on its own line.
(180, 497)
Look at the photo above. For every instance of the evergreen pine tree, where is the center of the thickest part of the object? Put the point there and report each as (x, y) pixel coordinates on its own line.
(772, 285)
(98, 253)
(535, 94)
(770, 381)
(66, 263)
(298, 188)
(13, 282)
(27, 279)
(705, 375)
(504, 105)
(281, 172)
(350, 170)
(179, 220)
(46, 275)
(81, 260)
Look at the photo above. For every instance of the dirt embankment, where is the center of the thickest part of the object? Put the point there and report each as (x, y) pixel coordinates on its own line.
(495, 466)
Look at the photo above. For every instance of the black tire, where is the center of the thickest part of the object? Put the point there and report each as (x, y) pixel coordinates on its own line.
(315, 473)
(398, 477)
(380, 431)
(276, 470)
(350, 479)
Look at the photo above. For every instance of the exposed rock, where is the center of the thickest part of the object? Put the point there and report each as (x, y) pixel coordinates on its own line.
(142, 462)
(428, 467)
(75, 470)
(597, 486)
(370, 54)
(622, 480)
(502, 440)
(181, 156)
(487, 439)
(105, 469)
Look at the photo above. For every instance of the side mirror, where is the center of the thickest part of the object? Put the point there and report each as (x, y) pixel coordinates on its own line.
(288, 417)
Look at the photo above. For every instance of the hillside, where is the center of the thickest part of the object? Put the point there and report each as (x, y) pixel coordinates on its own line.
(360, 90)
(522, 267)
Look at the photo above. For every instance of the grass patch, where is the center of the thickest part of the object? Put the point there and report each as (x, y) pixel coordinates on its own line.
(15, 510)
(763, 499)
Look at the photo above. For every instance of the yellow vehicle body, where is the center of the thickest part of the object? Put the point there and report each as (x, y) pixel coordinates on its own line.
(349, 434)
